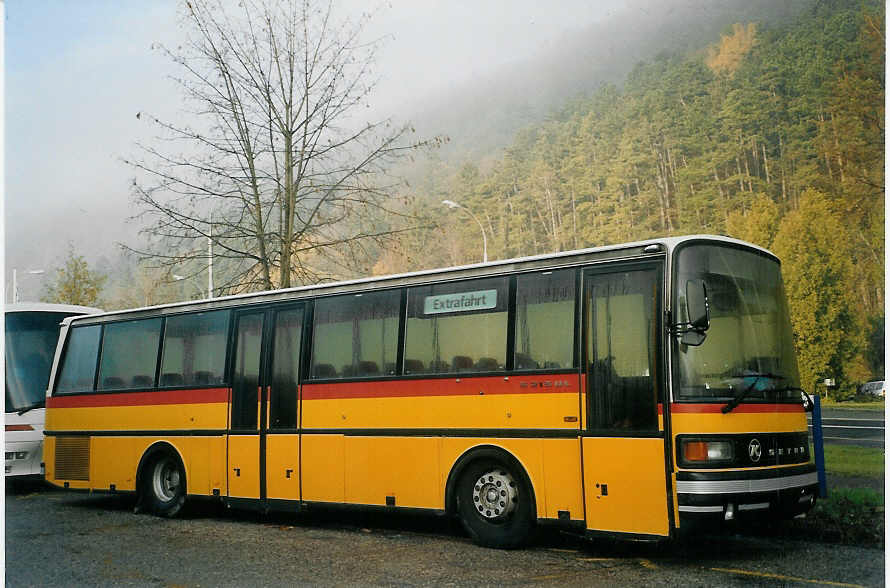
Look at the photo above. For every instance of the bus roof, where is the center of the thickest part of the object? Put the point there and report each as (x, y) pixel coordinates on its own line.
(537, 262)
(47, 307)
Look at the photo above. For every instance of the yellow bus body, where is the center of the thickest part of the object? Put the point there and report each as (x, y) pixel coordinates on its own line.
(405, 441)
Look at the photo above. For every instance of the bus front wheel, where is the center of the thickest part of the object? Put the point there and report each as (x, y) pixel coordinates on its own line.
(163, 485)
(495, 505)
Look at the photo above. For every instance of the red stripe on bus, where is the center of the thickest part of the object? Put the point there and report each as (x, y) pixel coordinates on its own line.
(477, 386)
(201, 396)
(742, 408)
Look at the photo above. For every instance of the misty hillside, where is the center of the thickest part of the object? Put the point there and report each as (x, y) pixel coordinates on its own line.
(769, 132)
(482, 116)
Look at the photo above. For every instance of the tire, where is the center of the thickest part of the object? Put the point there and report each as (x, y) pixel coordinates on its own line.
(495, 505)
(163, 485)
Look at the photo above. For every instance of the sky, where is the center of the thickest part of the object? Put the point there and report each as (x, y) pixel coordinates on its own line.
(77, 73)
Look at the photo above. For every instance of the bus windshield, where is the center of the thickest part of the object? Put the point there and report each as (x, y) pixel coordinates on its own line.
(748, 349)
(30, 344)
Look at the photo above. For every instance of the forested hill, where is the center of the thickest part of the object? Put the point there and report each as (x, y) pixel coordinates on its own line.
(484, 112)
(769, 134)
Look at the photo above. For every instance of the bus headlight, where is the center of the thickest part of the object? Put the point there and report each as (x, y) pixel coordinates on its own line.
(699, 452)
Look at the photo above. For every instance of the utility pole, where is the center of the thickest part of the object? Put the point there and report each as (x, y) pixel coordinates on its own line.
(210, 259)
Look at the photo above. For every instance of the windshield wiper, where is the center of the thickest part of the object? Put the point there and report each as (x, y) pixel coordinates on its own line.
(25, 409)
(742, 394)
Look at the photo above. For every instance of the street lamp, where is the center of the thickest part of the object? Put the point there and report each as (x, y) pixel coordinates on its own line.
(15, 283)
(179, 278)
(453, 204)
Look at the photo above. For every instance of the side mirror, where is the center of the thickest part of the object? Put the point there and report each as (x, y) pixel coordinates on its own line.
(808, 404)
(697, 308)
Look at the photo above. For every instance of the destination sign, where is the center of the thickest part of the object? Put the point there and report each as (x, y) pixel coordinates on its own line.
(460, 302)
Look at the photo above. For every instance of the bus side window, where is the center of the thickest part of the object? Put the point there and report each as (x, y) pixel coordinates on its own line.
(286, 359)
(545, 317)
(79, 364)
(355, 335)
(129, 351)
(457, 327)
(194, 352)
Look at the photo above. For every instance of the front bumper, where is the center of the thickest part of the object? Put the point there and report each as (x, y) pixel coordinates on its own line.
(23, 458)
(775, 492)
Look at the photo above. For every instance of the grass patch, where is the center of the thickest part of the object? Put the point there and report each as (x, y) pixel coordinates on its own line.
(849, 515)
(875, 405)
(850, 460)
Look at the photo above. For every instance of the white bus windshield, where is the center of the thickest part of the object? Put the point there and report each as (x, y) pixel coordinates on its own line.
(30, 344)
(748, 347)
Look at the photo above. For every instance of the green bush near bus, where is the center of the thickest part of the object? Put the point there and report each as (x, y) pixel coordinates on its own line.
(850, 515)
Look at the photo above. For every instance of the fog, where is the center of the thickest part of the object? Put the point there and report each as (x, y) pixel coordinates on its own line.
(78, 73)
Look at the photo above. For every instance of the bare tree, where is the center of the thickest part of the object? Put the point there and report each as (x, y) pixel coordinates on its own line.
(277, 166)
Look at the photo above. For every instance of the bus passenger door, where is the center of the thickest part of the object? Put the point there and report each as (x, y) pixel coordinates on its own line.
(244, 429)
(281, 422)
(624, 468)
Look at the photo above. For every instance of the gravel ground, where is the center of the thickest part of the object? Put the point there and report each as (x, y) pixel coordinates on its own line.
(57, 538)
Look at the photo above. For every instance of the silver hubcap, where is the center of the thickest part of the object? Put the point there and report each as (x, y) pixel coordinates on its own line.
(495, 495)
(165, 479)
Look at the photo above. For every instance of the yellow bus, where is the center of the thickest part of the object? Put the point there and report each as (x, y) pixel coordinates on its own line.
(623, 390)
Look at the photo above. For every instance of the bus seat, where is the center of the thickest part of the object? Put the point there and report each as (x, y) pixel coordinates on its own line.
(202, 378)
(348, 371)
(414, 366)
(143, 381)
(324, 370)
(368, 368)
(523, 361)
(487, 364)
(113, 382)
(171, 379)
(462, 363)
(437, 366)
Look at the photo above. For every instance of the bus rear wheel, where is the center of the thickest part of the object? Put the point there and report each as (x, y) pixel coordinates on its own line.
(495, 505)
(163, 485)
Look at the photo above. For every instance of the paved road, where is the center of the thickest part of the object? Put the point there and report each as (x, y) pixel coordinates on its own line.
(852, 427)
(58, 538)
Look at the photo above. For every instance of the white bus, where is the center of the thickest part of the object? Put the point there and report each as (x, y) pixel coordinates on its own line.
(31, 333)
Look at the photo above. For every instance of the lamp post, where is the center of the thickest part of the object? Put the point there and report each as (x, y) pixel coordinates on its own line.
(179, 278)
(210, 257)
(15, 283)
(453, 204)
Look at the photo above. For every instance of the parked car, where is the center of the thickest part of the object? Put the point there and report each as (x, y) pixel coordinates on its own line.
(876, 388)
